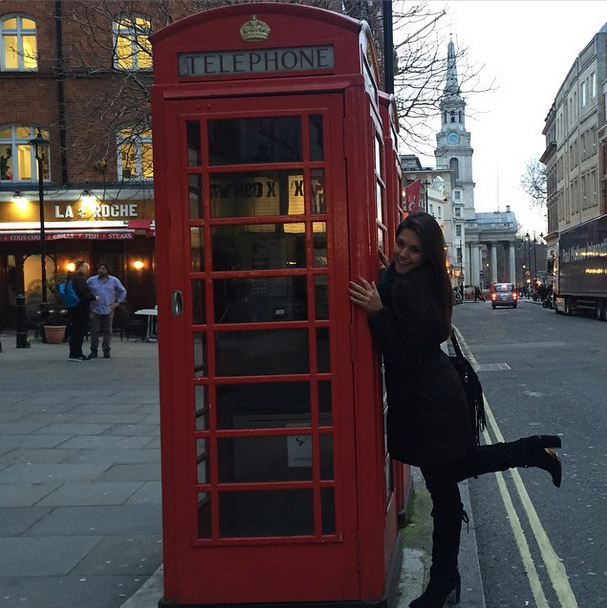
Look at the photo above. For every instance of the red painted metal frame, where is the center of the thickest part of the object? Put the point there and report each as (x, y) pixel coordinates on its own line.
(353, 565)
(394, 186)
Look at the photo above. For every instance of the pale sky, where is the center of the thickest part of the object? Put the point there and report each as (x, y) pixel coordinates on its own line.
(528, 47)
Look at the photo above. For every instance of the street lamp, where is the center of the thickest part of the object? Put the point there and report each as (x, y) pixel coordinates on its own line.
(427, 184)
(528, 280)
(39, 143)
(534, 261)
(541, 242)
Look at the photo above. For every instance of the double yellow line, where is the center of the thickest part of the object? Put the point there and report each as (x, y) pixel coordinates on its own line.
(554, 565)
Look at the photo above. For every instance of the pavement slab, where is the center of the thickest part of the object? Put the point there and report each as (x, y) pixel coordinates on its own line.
(80, 492)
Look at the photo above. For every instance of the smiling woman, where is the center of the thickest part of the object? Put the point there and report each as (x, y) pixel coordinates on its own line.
(408, 253)
(428, 420)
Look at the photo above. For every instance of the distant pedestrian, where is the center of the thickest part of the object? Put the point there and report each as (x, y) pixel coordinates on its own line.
(78, 316)
(110, 294)
(478, 294)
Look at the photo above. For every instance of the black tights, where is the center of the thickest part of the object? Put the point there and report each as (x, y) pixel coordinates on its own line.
(447, 509)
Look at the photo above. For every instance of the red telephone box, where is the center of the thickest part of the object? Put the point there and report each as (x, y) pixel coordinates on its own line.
(276, 182)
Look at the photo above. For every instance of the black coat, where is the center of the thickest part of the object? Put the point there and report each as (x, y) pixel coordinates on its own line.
(427, 409)
(83, 291)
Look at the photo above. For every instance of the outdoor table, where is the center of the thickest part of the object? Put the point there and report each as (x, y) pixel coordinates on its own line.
(152, 315)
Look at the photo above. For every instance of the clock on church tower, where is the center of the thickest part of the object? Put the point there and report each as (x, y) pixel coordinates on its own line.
(453, 138)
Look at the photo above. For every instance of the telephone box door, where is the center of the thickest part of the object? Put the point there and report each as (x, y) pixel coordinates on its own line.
(259, 464)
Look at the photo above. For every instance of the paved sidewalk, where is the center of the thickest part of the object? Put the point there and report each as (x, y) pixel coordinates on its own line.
(80, 512)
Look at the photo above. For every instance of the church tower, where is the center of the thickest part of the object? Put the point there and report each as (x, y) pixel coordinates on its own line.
(453, 141)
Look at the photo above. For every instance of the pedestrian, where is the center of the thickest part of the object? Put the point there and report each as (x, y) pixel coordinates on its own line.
(110, 294)
(428, 425)
(78, 316)
(478, 294)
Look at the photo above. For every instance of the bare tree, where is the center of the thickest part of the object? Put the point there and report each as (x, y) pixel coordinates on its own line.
(107, 53)
(533, 182)
(118, 70)
(421, 42)
(122, 97)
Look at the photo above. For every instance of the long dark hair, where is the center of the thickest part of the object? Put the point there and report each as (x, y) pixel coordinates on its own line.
(435, 258)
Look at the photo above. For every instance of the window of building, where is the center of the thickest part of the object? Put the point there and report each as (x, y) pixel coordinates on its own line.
(458, 255)
(458, 230)
(135, 154)
(17, 156)
(584, 193)
(592, 135)
(19, 51)
(132, 48)
(583, 145)
(593, 85)
(457, 195)
(584, 92)
(593, 189)
(458, 212)
(454, 166)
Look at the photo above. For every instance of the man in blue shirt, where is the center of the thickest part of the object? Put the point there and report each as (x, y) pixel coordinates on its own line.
(110, 294)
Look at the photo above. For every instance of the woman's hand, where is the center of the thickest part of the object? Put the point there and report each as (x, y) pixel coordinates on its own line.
(365, 295)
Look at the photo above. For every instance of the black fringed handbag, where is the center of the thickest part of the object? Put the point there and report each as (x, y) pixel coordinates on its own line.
(473, 389)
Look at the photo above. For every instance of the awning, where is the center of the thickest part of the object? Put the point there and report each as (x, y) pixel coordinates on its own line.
(140, 224)
(89, 235)
(148, 225)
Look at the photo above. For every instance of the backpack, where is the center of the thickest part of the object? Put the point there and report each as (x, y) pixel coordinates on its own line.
(69, 295)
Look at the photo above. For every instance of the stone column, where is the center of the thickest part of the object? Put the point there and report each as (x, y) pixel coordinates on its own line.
(512, 262)
(474, 276)
(493, 250)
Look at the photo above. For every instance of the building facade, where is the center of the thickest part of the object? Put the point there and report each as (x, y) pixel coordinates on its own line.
(576, 138)
(436, 190)
(75, 147)
(77, 75)
(478, 242)
(453, 142)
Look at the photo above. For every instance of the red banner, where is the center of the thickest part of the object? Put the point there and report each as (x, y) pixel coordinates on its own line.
(412, 196)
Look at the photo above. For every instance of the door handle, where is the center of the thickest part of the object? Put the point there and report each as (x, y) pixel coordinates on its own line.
(177, 303)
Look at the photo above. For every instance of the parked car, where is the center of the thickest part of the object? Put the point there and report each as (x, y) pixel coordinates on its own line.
(504, 294)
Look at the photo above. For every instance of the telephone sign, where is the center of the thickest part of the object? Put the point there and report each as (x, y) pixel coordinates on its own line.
(257, 62)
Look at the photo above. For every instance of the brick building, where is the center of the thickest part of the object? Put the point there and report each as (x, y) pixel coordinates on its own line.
(78, 74)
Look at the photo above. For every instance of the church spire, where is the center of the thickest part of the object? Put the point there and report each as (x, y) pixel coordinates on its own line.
(452, 86)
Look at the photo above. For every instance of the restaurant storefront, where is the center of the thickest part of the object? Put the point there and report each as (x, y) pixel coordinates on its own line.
(82, 226)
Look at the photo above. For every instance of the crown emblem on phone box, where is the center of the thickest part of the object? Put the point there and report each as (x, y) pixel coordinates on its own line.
(255, 30)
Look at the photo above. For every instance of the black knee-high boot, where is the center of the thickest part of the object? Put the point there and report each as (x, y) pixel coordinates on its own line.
(532, 451)
(447, 513)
